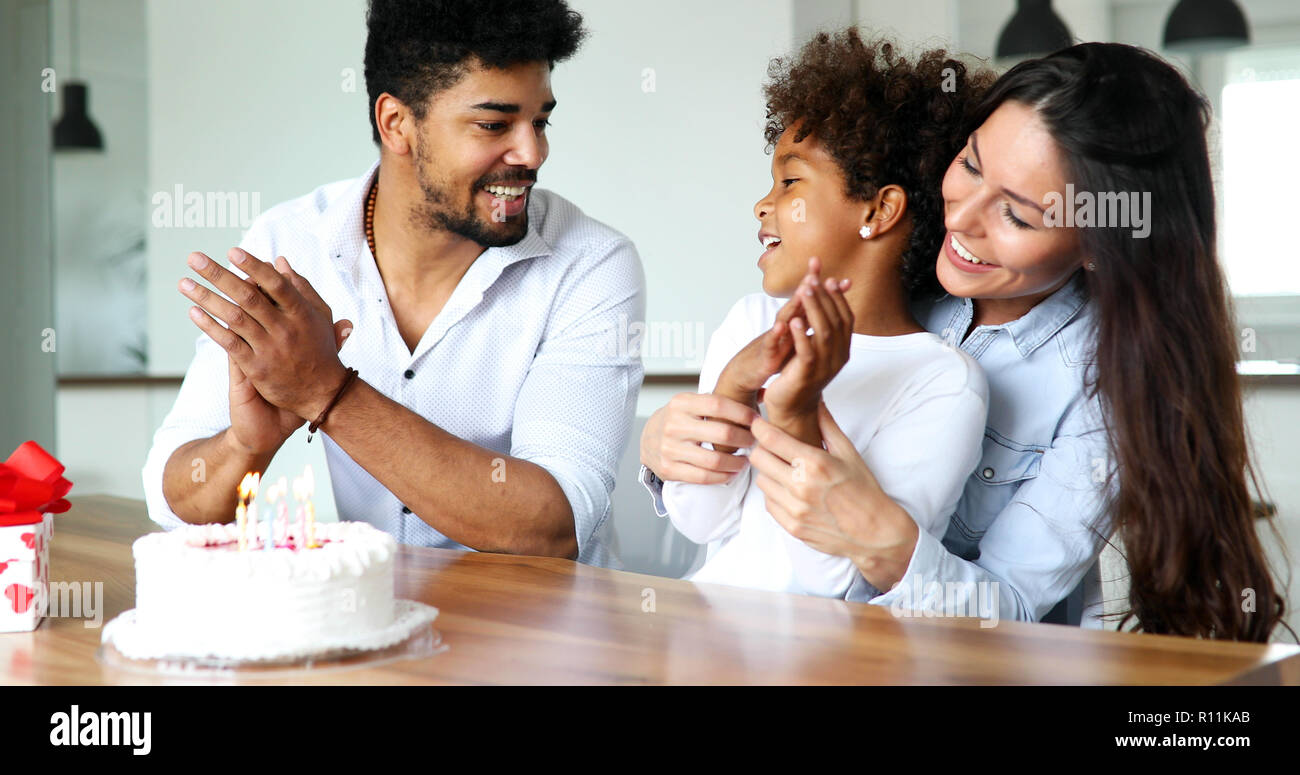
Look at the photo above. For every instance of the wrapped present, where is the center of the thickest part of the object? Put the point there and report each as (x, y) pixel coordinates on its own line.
(32, 488)
(24, 574)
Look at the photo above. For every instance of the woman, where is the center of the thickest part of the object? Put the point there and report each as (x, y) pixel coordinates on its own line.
(1110, 355)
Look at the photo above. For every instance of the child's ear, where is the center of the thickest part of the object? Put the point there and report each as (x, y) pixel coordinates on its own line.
(887, 209)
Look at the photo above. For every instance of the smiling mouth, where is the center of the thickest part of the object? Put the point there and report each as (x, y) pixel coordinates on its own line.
(506, 193)
(965, 254)
(770, 243)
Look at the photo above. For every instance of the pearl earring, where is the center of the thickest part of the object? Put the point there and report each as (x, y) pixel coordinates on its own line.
(864, 232)
(1092, 266)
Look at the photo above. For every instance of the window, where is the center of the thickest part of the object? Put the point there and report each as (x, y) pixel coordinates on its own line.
(1260, 122)
(1257, 168)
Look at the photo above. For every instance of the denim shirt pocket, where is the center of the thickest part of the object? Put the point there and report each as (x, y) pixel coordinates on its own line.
(1004, 461)
(1004, 466)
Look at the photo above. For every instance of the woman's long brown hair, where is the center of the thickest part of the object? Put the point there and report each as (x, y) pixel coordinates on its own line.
(1165, 369)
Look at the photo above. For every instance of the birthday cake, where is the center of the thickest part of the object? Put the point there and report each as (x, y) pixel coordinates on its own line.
(217, 592)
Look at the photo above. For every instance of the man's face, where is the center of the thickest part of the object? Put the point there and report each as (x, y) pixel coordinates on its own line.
(478, 149)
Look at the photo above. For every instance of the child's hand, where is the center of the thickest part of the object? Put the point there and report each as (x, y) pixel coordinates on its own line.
(792, 399)
(748, 369)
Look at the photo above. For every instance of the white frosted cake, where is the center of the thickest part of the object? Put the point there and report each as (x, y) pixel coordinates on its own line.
(199, 595)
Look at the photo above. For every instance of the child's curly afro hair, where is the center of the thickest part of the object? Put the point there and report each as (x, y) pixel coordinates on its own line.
(885, 119)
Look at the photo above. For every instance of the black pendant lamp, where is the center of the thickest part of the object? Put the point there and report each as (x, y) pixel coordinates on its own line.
(75, 131)
(1033, 30)
(1196, 26)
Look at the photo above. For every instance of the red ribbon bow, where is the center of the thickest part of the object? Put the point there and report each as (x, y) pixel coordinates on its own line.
(31, 483)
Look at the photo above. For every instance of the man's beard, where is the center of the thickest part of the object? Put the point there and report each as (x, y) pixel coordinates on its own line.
(436, 214)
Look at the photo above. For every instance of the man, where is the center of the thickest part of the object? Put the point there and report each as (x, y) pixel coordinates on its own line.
(491, 404)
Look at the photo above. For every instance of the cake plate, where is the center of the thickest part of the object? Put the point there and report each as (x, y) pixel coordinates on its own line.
(411, 636)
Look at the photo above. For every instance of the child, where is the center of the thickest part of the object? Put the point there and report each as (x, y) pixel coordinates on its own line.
(862, 138)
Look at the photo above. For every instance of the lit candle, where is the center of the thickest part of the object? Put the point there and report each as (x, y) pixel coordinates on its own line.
(246, 486)
(309, 509)
(243, 526)
(279, 512)
(250, 512)
(283, 515)
(253, 514)
(299, 517)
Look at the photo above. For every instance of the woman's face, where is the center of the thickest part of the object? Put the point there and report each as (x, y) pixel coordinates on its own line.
(808, 211)
(994, 200)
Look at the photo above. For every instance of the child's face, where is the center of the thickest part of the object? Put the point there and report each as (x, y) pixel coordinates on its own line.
(807, 209)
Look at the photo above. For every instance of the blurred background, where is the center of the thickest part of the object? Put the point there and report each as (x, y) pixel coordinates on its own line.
(136, 131)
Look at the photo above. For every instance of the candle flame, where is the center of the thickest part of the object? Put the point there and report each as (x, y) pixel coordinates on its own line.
(245, 487)
(309, 481)
(277, 490)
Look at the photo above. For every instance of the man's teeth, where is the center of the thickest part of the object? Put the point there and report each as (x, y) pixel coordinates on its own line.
(506, 192)
(770, 241)
(964, 253)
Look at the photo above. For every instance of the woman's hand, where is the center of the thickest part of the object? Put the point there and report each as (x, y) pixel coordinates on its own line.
(830, 500)
(670, 442)
(792, 399)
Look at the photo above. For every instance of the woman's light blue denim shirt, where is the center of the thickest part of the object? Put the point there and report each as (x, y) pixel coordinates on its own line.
(1029, 524)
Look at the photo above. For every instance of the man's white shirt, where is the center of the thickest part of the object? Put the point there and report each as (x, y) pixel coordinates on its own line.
(524, 358)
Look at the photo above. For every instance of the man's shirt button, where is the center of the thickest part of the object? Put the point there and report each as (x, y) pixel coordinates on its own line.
(405, 510)
(408, 374)
(987, 473)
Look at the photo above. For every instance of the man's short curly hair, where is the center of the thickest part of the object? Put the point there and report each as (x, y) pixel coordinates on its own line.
(884, 119)
(415, 48)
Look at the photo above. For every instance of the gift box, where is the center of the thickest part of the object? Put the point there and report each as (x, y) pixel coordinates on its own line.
(31, 491)
(24, 574)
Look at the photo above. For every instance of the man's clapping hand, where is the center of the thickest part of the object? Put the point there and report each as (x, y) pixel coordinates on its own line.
(281, 342)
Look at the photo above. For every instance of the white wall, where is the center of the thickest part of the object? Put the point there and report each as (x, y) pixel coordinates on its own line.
(250, 97)
(920, 23)
(105, 433)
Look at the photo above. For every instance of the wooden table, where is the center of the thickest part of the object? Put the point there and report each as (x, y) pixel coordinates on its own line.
(512, 620)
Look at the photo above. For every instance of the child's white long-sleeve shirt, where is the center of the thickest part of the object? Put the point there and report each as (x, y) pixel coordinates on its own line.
(915, 409)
